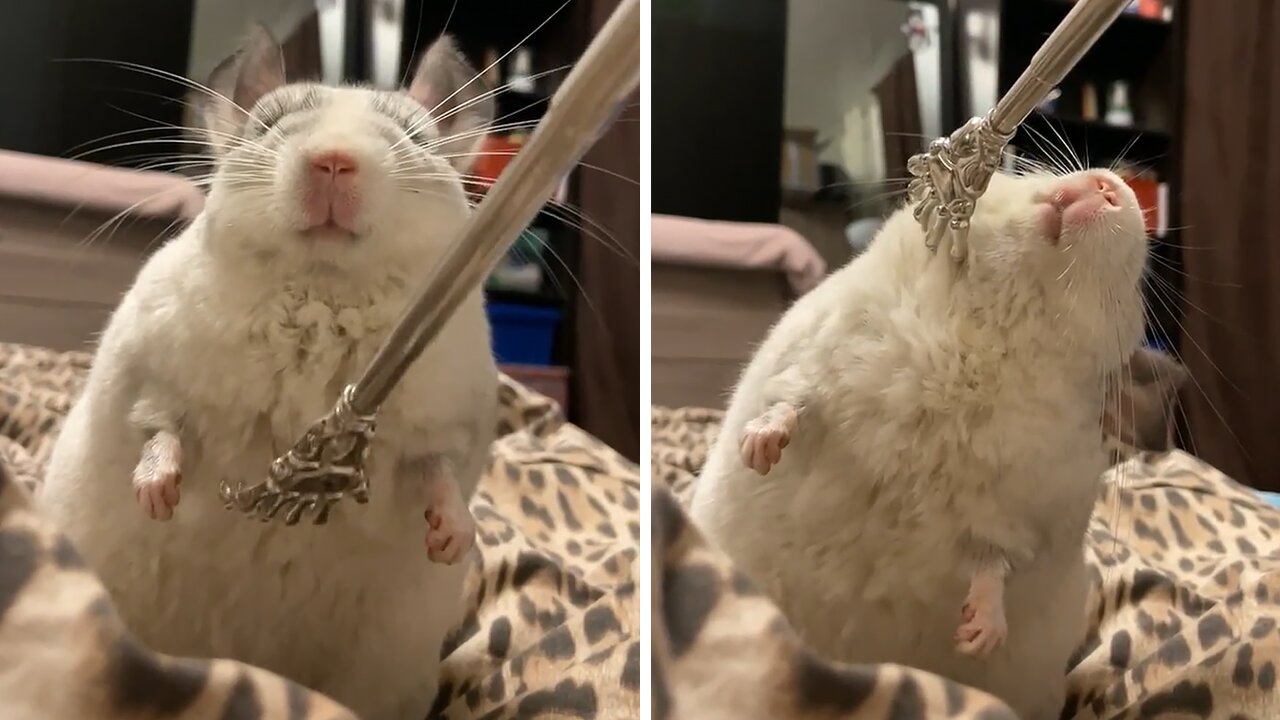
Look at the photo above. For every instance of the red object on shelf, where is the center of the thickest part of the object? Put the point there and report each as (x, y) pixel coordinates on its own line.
(1153, 9)
(496, 153)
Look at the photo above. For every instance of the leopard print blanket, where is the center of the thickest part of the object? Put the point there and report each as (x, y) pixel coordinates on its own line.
(553, 624)
(1184, 611)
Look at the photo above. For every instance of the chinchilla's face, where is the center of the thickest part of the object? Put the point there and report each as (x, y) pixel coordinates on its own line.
(343, 175)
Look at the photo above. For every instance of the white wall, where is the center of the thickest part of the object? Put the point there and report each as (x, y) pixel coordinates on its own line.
(837, 52)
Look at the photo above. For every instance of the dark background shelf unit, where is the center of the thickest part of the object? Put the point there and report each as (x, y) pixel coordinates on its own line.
(595, 287)
(717, 84)
(1147, 55)
(57, 103)
(556, 33)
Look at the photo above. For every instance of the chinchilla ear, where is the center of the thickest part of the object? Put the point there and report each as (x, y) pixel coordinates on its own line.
(458, 99)
(238, 83)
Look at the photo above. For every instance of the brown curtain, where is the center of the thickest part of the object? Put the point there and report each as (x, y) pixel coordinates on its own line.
(606, 370)
(900, 116)
(1230, 205)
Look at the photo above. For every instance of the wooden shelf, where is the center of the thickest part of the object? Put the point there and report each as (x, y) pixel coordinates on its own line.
(1094, 141)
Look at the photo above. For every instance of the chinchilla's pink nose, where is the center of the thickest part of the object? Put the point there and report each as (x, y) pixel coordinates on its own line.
(1086, 188)
(334, 166)
(332, 195)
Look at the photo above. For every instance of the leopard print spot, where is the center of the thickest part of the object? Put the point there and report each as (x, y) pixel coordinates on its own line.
(567, 699)
(742, 585)
(699, 591)
(598, 622)
(1119, 696)
(558, 645)
(536, 511)
(631, 670)
(497, 688)
(1146, 582)
(566, 511)
(955, 699)
(1179, 534)
(1146, 532)
(566, 478)
(1237, 518)
(243, 703)
(1121, 649)
(139, 683)
(1146, 623)
(1242, 676)
(1174, 652)
(459, 635)
(299, 699)
(668, 521)
(500, 637)
(529, 565)
(907, 701)
(65, 556)
(1186, 697)
(19, 559)
(444, 696)
(1267, 676)
(1211, 629)
(821, 688)
(1097, 704)
(1083, 651)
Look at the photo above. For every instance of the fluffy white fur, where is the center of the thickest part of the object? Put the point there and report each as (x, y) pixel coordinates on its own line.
(937, 406)
(240, 333)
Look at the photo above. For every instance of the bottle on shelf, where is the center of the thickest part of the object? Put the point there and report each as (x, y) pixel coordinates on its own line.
(520, 78)
(1118, 110)
(1089, 102)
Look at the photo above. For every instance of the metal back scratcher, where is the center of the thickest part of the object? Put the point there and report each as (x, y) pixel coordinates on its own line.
(328, 463)
(949, 177)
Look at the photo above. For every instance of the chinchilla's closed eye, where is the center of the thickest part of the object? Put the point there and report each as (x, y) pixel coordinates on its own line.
(267, 122)
(273, 109)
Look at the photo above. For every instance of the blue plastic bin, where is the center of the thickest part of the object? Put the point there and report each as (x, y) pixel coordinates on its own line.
(523, 334)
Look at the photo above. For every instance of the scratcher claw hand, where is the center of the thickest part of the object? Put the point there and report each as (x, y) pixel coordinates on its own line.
(950, 176)
(328, 463)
